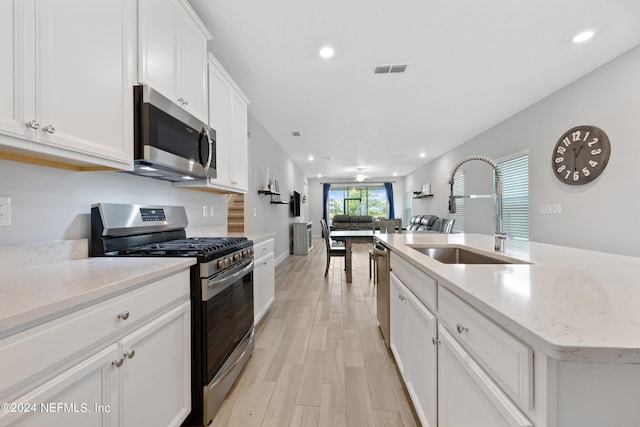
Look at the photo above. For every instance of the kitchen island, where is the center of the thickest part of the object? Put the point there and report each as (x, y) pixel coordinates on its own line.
(551, 339)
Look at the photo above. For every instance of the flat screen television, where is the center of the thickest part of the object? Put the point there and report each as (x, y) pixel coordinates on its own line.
(295, 204)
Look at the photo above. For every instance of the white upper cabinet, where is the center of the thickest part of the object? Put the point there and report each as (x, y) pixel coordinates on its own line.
(66, 82)
(173, 53)
(228, 117)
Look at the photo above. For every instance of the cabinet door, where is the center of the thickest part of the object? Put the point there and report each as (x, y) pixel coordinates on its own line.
(155, 384)
(421, 360)
(84, 396)
(397, 327)
(466, 394)
(12, 81)
(219, 96)
(83, 76)
(268, 281)
(239, 144)
(192, 72)
(263, 286)
(157, 44)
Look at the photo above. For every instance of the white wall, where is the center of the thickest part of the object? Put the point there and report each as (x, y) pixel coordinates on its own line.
(260, 215)
(54, 204)
(315, 198)
(601, 215)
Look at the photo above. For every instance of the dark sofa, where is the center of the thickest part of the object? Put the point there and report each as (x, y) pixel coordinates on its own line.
(424, 223)
(352, 222)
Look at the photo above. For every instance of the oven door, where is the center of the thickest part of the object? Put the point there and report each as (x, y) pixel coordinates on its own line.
(228, 316)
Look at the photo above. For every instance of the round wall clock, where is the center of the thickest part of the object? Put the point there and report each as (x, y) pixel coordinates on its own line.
(580, 155)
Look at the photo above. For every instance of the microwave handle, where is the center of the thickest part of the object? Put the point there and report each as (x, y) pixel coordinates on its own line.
(207, 164)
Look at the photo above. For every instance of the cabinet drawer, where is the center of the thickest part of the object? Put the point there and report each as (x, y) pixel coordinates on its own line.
(45, 348)
(422, 286)
(507, 360)
(262, 248)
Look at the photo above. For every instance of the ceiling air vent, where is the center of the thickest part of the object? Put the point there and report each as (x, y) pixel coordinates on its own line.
(390, 69)
(296, 133)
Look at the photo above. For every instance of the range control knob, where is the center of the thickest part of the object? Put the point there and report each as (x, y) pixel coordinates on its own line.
(237, 256)
(221, 263)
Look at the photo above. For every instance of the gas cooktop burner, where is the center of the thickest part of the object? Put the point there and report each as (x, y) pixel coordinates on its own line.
(195, 246)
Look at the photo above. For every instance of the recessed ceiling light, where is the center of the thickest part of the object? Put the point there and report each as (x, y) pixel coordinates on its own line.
(583, 36)
(311, 158)
(319, 175)
(423, 155)
(326, 52)
(395, 174)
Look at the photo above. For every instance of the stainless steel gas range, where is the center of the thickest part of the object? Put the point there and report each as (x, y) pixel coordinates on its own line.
(222, 329)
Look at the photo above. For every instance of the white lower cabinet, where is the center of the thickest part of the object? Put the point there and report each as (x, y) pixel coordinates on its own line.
(122, 362)
(412, 338)
(154, 375)
(263, 279)
(466, 394)
(85, 395)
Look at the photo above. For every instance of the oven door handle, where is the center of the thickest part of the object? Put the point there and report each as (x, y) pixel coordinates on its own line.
(214, 287)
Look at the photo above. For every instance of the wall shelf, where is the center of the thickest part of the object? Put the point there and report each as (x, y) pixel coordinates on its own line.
(275, 197)
(421, 196)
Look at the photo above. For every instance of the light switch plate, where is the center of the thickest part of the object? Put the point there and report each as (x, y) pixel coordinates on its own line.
(5, 211)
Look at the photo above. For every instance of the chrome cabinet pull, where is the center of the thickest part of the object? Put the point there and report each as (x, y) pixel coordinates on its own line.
(402, 297)
(124, 315)
(49, 129)
(117, 363)
(435, 341)
(32, 124)
(185, 102)
(129, 354)
(181, 101)
(461, 328)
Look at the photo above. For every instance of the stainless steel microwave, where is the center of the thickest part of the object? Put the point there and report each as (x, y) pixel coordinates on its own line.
(170, 143)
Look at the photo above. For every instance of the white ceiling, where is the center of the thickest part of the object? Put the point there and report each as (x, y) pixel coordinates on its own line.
(471, 65)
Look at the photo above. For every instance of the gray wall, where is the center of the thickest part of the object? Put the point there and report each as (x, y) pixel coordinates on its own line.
(601, 215)
(53, 204)
(260, 215)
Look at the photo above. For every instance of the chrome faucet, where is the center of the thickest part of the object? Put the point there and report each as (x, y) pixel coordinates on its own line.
(499, 236)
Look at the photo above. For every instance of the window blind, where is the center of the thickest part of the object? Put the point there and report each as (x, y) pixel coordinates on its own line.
(515, 196)
(458, 190)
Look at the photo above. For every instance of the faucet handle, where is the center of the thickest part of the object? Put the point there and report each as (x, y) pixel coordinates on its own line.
(498, 242)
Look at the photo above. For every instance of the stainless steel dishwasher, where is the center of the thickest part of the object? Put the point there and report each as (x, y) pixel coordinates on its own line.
(383, 268)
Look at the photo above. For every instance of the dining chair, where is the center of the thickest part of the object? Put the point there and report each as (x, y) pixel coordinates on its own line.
(447, 225)
(332, 250)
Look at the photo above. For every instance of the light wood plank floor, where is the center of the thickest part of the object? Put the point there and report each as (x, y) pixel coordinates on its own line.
(319, 358)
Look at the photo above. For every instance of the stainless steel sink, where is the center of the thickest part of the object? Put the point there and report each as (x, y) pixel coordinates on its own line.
(457, 255)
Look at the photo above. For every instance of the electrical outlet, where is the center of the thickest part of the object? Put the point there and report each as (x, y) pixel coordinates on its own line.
(5, 211)
(205, 211)
(544, 209)
(556, 209)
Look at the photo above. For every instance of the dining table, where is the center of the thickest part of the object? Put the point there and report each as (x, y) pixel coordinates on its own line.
(349, 237)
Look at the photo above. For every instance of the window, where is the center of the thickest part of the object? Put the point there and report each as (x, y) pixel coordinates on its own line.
(515, 196)
(358, 201)
(458, 190)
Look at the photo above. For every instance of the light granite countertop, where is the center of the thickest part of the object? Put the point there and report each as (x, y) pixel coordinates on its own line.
(571, 304)
(35, 294)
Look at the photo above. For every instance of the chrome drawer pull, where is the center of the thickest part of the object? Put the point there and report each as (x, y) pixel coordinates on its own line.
(117, 363)
(49, 129)
(129, 354)
(124, 315)
(460, 328)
